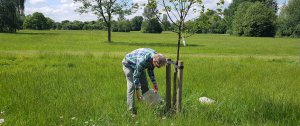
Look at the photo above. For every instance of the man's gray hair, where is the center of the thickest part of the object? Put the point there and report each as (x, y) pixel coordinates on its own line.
(160, 58)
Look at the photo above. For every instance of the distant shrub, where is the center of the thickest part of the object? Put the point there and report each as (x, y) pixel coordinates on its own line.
(151, 26)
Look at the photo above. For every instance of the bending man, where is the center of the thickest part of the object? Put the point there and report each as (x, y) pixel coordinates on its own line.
(134, 65)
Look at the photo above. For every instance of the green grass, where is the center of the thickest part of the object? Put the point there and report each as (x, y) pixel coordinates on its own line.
(76, 78)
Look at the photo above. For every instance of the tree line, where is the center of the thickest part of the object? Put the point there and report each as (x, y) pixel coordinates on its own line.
(146, 23)
(37, 21)
(258, 18)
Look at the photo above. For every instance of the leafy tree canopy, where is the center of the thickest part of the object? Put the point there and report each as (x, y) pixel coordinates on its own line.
(38, 21)
(254, 19)
(289, 19)
(136, 23)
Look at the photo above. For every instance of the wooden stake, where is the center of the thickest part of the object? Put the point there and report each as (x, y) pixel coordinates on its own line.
(179, 90)
(168, 85)
(174, 88)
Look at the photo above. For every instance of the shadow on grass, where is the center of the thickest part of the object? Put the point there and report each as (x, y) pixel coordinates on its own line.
(152, 44)
(34, 33)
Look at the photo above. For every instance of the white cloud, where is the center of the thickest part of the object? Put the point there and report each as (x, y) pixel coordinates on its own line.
(60, 10)
(228, 1)
(139, 1)
(34, 2)
(64, 1)
(211, 4)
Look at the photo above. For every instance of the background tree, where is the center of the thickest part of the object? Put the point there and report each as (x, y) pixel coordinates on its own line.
(230, 11)
(151, 24)
(94, 25)
(20, 6)
(254, 19)
(208, 22)
(121, 16)
(149, 13)
(21, 10)
(121, 26)
(9, 17)
(289, 19)
(271, 4)
(50, 23)
(136, 23)
(37, 21)
(166, 23)
(105, 9)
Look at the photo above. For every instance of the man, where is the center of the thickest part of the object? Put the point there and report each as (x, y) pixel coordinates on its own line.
(134, 65)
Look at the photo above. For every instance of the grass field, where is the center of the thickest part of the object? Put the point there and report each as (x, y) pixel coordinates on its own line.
(76, 78)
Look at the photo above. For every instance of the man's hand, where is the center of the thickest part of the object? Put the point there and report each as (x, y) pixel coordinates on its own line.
(155, 86)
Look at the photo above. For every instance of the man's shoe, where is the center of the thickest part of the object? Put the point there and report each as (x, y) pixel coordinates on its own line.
(133, 115)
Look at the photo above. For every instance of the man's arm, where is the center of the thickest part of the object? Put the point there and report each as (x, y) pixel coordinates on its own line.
(152, 77)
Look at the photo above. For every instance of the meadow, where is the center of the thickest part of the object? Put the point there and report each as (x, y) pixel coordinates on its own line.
(76, 78)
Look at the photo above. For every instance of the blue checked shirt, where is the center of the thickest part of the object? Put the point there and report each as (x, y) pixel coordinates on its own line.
(139, 60)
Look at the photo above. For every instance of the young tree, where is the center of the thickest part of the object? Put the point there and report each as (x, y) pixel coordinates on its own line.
(105, 9)
(177, 11)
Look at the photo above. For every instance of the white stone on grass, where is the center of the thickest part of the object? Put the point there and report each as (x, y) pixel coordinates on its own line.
(1, 121)
(206, 100)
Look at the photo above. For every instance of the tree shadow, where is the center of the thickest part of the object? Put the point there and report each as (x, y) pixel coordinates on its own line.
(152, 44)
(34, 33)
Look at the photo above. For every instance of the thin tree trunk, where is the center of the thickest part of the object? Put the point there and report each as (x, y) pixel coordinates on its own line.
(109, 28)
(178, 43)
(109, 32)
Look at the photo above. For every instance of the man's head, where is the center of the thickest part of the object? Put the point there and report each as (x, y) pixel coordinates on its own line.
(159, 60)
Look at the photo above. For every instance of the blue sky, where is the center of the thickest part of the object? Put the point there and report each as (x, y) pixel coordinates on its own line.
(60, 10)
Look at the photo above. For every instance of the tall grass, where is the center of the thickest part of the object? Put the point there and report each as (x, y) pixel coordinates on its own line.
(75, 78)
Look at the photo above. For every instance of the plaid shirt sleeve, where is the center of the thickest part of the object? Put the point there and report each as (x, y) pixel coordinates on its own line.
(151, 75)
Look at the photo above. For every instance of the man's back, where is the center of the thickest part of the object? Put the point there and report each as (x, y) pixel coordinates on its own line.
(139, 56)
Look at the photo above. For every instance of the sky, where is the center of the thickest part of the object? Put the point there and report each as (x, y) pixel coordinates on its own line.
(60, 10)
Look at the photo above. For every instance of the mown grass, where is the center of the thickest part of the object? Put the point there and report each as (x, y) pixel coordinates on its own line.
(76, 78)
